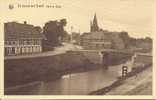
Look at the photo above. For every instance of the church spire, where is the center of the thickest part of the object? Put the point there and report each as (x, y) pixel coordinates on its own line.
(95, 20)
(94, 26)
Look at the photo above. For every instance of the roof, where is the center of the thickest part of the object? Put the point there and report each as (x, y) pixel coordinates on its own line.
(16, 31)
(97, 35)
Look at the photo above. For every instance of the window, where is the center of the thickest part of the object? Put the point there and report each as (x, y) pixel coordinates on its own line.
(6, 42)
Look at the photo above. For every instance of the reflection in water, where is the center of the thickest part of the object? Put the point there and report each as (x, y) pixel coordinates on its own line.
(81, 83)
(78, 83)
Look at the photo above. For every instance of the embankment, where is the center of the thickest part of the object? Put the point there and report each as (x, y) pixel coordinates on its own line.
(120, 81)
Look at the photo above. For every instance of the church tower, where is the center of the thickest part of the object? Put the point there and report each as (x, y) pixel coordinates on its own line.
(94, 25)
(91, 26)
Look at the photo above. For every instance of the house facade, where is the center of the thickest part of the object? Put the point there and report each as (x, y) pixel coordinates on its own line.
(22, 39)
(95, 40)
(102, 40)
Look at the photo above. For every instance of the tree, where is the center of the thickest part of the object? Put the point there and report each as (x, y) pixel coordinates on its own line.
(54, 31)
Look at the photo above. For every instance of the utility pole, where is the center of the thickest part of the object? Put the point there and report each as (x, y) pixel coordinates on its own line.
(71, 34)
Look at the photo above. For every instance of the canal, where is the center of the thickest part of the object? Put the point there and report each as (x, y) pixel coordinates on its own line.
(74, 84)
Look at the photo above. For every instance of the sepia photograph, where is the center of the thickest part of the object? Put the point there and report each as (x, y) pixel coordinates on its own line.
(78, 47)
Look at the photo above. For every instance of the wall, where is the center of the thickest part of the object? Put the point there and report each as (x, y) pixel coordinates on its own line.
(142, 59)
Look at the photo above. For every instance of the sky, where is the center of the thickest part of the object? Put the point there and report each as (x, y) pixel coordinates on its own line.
(134, 16)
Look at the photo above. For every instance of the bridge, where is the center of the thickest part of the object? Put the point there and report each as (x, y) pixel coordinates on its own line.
(106, 56)
(125, 51)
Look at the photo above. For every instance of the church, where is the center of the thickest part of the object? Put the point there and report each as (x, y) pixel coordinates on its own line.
(94, 25)
(101, 39)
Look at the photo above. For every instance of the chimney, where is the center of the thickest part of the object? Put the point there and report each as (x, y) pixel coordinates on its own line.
(25, 22)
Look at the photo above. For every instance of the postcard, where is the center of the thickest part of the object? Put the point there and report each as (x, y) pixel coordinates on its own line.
(77, 49)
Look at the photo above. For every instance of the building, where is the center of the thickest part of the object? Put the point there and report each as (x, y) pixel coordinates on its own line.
(101, 39)
(95, 40)
(22, 38)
